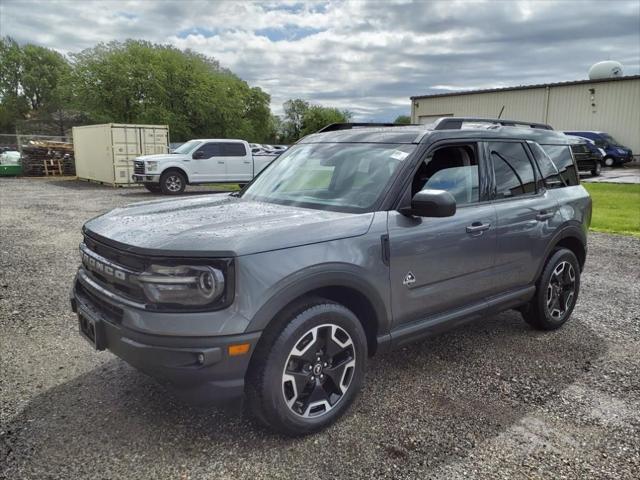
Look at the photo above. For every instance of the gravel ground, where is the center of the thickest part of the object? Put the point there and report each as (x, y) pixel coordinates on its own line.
(490, 400)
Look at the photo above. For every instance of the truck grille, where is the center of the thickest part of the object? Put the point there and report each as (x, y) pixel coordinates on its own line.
(138, 167)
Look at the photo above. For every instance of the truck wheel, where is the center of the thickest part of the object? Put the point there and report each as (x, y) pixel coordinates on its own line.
(152, 187)
(173, 183)
(308, 368)
(596, 170)
(608, 161)
(556, 292)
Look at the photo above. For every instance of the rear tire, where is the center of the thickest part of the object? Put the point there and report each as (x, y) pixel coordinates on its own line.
(152, 187)
(308, 368)
(596, 170)
(556, 294)
(173, 182)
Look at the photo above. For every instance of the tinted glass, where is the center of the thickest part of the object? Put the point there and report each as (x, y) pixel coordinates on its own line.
(547, 167)
(562, 159)
(513, 170)
(233, 150)
(333, 176)
(208, 150)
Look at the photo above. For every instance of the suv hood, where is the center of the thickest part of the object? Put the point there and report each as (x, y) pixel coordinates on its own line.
(220, 225)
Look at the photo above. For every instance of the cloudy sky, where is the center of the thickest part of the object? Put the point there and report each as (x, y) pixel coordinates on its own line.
(368, 57)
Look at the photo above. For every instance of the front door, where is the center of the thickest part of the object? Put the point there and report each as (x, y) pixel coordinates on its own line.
(208, 164)
(442, 264)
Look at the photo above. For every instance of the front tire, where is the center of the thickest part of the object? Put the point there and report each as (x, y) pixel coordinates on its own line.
(173, 183)
(308, 368)
(556, 292)
(596, 170)
(609, 162)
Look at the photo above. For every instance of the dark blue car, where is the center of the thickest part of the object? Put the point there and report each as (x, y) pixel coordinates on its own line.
(614, 152)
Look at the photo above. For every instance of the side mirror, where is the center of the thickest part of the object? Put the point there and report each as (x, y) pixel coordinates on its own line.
(432, 203)
(198, 154)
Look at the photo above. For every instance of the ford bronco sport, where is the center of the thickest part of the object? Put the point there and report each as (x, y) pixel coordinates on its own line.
(355, 240)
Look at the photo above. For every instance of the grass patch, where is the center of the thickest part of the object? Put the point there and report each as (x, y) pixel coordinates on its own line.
(616, 207)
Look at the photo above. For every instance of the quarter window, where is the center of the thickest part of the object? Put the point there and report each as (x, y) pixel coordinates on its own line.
(561, 157)
(513, 170)
(548, 169)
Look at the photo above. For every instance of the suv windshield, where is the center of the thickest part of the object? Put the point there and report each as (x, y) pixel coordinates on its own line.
(187, 147)
(331, 176)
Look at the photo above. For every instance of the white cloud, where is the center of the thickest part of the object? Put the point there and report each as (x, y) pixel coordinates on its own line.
(368, 57)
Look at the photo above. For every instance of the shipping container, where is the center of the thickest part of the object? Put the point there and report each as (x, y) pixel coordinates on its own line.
(105, 153)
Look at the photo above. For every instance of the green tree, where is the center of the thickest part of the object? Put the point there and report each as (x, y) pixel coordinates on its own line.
(294, 111)
(13, 105)
(317, 117)
(137, 81)
(402, 120)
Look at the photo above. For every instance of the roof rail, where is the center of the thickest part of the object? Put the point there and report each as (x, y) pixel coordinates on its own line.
(455, 123)
(348, 126)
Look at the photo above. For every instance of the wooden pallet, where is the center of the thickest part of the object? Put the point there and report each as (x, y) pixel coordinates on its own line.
(52, 166)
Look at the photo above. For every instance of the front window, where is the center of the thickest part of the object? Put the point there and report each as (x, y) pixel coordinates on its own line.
(187, 147)
(333, 176)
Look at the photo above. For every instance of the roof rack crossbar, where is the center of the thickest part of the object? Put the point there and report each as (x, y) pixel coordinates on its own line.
(348, 126)
(455, 123)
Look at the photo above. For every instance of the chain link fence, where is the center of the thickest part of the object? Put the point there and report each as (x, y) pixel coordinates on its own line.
(39, 155)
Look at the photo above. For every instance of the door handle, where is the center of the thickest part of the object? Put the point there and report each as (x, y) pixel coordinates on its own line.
(186, 161)
(478, 227)
(221, 163)
(247, 163)
(544, 215)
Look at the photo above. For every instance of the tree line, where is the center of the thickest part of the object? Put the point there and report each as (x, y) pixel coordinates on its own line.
(135, 81)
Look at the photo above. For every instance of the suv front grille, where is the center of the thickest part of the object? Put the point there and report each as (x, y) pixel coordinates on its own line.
(138, 167)
(112, 270)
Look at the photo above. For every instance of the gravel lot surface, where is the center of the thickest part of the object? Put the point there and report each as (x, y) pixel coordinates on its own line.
(494, 399)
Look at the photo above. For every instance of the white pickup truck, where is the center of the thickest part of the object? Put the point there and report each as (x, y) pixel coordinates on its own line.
(199, 161)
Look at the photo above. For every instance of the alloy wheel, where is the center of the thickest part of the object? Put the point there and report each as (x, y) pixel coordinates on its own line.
(173, 183)
(561, 290)
(318, 370)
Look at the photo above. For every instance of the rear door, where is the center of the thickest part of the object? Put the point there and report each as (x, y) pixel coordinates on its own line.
(238, 161)
(527, 214)
(442, 264)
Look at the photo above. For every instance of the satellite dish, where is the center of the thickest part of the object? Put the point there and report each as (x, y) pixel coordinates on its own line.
(606, 69)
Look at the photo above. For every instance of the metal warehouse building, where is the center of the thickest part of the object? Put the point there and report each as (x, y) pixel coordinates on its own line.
(611, 105)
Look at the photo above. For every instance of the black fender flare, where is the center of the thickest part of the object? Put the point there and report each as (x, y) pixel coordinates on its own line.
(305, 281)
(572, 229)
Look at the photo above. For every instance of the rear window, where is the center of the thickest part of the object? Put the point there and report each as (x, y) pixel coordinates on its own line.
(514, 172)
(233, 150)
(563, 161)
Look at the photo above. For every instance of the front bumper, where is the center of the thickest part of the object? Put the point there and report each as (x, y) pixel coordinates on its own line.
(198, 369)
(145, 178)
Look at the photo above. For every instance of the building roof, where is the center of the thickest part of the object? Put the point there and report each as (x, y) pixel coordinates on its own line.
(526, 87)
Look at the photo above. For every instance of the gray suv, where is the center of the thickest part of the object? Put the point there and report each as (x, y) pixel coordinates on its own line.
(356, 240)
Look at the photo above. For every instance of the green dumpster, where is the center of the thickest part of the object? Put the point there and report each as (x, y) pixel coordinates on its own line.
(10, 170)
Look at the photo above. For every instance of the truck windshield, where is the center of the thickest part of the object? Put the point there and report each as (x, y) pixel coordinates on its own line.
(330, 176)
(187, 147)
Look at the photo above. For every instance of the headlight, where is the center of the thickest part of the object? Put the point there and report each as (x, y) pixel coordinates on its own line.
(151, 166)
(190, 285)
